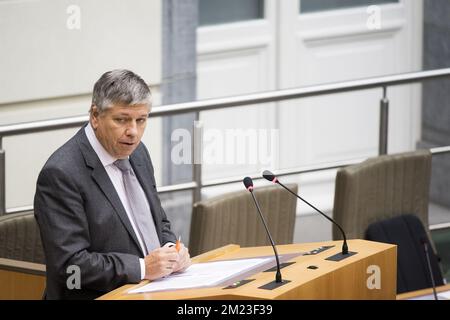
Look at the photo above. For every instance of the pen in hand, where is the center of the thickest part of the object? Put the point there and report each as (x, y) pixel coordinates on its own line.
(178, 244)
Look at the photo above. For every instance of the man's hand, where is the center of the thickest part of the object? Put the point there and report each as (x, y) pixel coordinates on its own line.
(160, 262)
(184, 259)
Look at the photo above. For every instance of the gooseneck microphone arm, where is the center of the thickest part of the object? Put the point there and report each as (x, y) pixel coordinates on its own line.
(271, 177)
(249, 186)
(344, 245)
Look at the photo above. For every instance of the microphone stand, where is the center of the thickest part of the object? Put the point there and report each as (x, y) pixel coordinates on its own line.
(425, 245)
(278, 278)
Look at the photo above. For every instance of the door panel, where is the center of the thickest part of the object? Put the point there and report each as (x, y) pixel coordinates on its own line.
(337, 45)
(233, 59)
(287, 49)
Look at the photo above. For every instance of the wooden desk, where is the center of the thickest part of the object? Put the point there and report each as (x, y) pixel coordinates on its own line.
(21, 280)
(422, 292)
(345, 279)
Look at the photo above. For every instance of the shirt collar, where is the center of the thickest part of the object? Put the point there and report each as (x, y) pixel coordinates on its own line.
(105, 158)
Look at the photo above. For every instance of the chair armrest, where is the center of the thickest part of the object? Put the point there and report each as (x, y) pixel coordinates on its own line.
(22, 266)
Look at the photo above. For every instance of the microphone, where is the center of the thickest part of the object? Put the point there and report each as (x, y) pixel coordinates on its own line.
(271, 177)
(427, 254)
(248, 183)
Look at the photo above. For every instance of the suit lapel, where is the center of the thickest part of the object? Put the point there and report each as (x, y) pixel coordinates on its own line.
(143, 174)
(102, 179)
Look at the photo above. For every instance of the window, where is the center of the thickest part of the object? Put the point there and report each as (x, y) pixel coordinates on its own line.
(307, 6)
(219, 11)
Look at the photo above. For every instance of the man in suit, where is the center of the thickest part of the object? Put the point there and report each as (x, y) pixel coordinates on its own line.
(96, 201)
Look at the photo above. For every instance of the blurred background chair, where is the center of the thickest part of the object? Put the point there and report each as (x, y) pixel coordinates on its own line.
(20, 238)
(232, 218)
(380, 188)
(408, 233)
(22, 268)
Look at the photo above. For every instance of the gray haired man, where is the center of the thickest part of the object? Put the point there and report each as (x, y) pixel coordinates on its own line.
(96, 201)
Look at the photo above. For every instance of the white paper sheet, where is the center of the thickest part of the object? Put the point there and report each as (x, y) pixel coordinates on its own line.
(203, 275)
(441, 296)
(444, 295)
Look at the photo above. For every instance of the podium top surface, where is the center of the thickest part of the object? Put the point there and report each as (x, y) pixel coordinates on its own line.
(311, 276)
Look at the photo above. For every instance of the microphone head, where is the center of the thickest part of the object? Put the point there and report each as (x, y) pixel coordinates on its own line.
(248, 183)
(269, 176)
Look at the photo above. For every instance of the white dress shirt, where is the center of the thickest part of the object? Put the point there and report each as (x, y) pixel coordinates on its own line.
(116, 177)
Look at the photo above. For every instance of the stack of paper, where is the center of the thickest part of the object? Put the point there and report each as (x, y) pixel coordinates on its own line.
(206, 274)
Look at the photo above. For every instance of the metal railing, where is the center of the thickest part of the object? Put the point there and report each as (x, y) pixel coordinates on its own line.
(222, 103)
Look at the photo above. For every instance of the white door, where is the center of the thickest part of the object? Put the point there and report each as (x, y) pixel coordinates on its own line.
(292, 46)
(236, 57)
(344, 44)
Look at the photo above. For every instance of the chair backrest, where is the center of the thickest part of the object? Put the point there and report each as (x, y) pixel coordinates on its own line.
(379, 188)
(20, 238)
(408, 233)
(232, 218)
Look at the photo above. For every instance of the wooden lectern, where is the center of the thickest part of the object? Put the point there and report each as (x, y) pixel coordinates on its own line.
(370, 273)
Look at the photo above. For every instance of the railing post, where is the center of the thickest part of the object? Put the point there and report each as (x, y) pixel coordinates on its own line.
(2, 179)
(196, 155)
(384, 122)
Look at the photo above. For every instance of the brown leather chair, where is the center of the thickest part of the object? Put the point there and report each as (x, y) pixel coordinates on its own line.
(22, 269)
(232, 218)
(379, 188)
(20, 238)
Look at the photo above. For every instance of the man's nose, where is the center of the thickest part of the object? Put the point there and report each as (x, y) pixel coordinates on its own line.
(131, 129)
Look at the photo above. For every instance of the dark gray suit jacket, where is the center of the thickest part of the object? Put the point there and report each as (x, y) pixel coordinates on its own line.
(83, 222)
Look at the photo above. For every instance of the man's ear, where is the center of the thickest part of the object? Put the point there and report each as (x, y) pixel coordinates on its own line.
(94, 116)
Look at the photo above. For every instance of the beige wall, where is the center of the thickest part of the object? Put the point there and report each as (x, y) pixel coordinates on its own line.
(49, 66)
